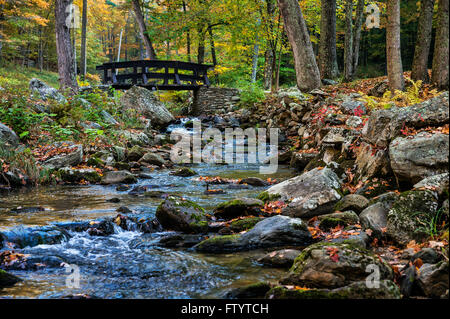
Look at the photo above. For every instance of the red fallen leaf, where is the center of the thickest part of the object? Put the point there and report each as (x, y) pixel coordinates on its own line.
(333, 253)
(418, 263)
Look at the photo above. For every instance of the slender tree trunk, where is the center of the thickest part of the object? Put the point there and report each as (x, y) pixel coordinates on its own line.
(201, 44)
(268, 69)
(348, 45)
(212, 45)
(255, 56)
(308, 75)
(357, 34)
(188, 36)
(439, 75)
(327, 47)
(83, 40)
(151, 54)
(423, 42)
(393, 52)
(67, 78)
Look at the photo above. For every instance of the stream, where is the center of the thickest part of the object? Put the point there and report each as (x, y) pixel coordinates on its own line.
(130, 264)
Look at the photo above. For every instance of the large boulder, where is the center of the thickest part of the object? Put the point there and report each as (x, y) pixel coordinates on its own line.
(148, 105)
(384, 125)
(332, 265)
(44, 92)
(152, 158)
(72, 156)
(310, 194)
(424, 155)
(280, 258)
(275, 231)
(371, 162)
(176, 213)
(8, 136)
(411, 216)
(436, 183)
(71, 175)
(374, 217)
(118, 177)
(33, 236)
(135, 138)
(239, 207)
(352, 202)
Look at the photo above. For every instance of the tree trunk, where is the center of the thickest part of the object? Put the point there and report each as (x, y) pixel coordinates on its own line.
(66, 71)
(255, 56)
(212, 45)
(327, 47)
(201, 44)
(423, 42)
(348, 45)
(357, 34)
(393, 53)
(188, 36)
(268, 69)
(308, 75)
(440, 59)
(83, 40)
(151, 54)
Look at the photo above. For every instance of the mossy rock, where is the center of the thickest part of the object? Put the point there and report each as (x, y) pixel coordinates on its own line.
(332, 265)
(122, 166)
(354, 202)
(411, 216)
(338, 219)
(386, 289)
(71, 175)
(184, 172)
(135, 153)
(239, 207)
(95, 162)
(7, 279)
(180, 214)
(266, 197)
(256, 290)
(219, 244)
(244, 224)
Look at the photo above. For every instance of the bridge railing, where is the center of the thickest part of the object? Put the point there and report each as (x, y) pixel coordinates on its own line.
(156, 74)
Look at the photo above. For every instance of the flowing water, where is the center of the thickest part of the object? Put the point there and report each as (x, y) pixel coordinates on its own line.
(130, 264)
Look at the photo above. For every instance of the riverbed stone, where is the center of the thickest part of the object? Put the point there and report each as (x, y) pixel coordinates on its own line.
(72, 175)
(176, 213)
(254, 181)
(184, 172)
(410, 216)
(152, 158)
(33, 236)
(436, 183)
(7, 279)
(332, 265)
(275, 231)
(424, 155)
(328, 221)
(311, 194)
(433, 279)
(280, 258)
(239, 207)
(118, 177)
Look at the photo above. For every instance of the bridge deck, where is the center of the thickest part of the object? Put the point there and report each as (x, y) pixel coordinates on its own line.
(175, 75)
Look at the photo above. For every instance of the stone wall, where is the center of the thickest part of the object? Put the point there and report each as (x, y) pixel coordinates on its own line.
(209, 101)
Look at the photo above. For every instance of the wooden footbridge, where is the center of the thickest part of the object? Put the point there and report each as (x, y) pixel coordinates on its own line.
(155, 75)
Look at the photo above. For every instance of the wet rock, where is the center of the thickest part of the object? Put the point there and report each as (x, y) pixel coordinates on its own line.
(123, 188)
(73, 158)
(75, 226)
(113, 200)
(148, 226)
(8, 136)
(300, 160)
(240, 225)
(180, 240)
(8, 280)
(71, 175)
(424, 155)
(148, 105)
(386, 289)
(280, 258)
(409, 216)
(275, 231)
(332, 265)
(254, 181)
(384, 125)
(16, 178)
(427, 255)
(257, 290)
(152, 159)
(179, 214)
(138, 190)
(145, 176)
(239, 207)
(33, 236)
(356, 203)
(44, 92)
(313, 193)
(124, 210)
(101, 228)
(433, 279)
(328, 221)
(155, 194)
(117, 177)
(184, 172)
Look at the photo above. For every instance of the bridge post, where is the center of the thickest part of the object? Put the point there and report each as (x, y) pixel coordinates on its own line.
(196, 107)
